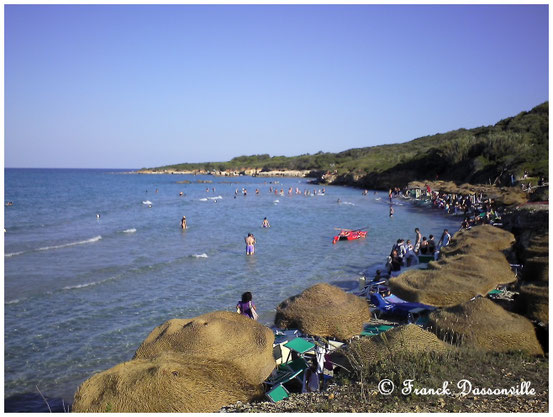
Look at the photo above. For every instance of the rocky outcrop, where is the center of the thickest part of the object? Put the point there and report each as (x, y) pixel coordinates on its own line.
(482, 324)
(219, 336)
(473, 264)
(167, 383)
(186, 365)
(324, 310)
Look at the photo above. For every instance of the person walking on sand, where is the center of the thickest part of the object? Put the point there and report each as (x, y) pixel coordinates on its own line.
(246, 307)
(265, 223)
(250, 244)
(183, 223)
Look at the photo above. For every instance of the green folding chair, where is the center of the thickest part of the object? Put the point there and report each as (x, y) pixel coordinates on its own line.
(374, 329)
(282, 376)
(277, 393)
(299, 345)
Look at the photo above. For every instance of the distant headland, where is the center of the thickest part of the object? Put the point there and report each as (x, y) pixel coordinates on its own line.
(481, 155)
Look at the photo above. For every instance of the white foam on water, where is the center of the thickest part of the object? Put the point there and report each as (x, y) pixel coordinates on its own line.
(203, 199)
(202, 255)
(9, 255)
(74, 287)
(12, 301)
(348, 203)
(215, 198)
(82, 242)
(147, 202)
(129, 231)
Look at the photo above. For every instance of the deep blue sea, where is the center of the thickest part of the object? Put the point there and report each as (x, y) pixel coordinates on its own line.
(81, 293)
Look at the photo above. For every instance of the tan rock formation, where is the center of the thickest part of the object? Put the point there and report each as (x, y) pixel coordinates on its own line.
(169, 383)
(324, 310)
(219, 335)
(482, 324)
(471, 265)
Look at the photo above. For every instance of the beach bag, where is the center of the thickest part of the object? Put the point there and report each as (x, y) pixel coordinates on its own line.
(255, 316)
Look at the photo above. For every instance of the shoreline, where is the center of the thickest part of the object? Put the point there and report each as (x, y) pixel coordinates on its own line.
(234, 173)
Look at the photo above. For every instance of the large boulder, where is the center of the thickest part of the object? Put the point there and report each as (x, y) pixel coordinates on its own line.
(482, 324)
(324, 310)
(453, 280)
(186, 365)
(479, 239)
(220, 336)
(473, 264)
(409, 339)
(168, 383)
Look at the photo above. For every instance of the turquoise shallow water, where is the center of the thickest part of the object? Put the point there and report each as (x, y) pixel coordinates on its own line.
(80, 294)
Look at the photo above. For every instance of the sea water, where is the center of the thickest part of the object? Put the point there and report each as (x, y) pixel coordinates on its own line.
(81, 292)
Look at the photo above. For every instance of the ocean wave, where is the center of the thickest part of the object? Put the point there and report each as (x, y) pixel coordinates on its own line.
(88, 284)
(215, 198)
(348, 203)
(81, 242)
(13, 301)
(9, 255)
(147, 202)
(203, 199)
(202, 255)
(133, 230)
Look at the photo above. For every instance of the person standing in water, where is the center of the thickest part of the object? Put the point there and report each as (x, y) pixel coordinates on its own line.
(391, 211)
(183, 223)
(246, 307)
(265, 223)
(250, 244)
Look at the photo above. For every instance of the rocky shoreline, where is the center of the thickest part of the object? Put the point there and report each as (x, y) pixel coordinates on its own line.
(168, 354)
(229, 173)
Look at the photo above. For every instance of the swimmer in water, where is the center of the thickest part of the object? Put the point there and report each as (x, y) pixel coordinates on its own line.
(98, 215)
(391, 211)
(183, 223)
(250, 244)
(266, 223)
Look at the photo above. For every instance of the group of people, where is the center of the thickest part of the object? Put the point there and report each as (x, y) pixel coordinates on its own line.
(475, 208)
(406, 253)
(276, 191)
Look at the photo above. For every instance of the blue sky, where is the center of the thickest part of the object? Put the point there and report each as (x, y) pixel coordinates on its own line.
(143, 86)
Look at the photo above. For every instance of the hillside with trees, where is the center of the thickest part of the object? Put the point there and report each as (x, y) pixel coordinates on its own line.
(487, 154)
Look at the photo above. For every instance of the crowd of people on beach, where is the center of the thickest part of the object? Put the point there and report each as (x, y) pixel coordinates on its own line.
(405, 253)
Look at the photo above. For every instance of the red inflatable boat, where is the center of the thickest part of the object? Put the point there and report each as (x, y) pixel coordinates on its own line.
(349, 235)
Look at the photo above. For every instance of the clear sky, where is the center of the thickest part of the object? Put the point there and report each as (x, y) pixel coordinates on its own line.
(142, 86)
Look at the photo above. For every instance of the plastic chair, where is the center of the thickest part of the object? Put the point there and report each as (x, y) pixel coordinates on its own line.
(277, 393)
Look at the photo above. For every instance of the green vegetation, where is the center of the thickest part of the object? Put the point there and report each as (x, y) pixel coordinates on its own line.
(480, 155)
